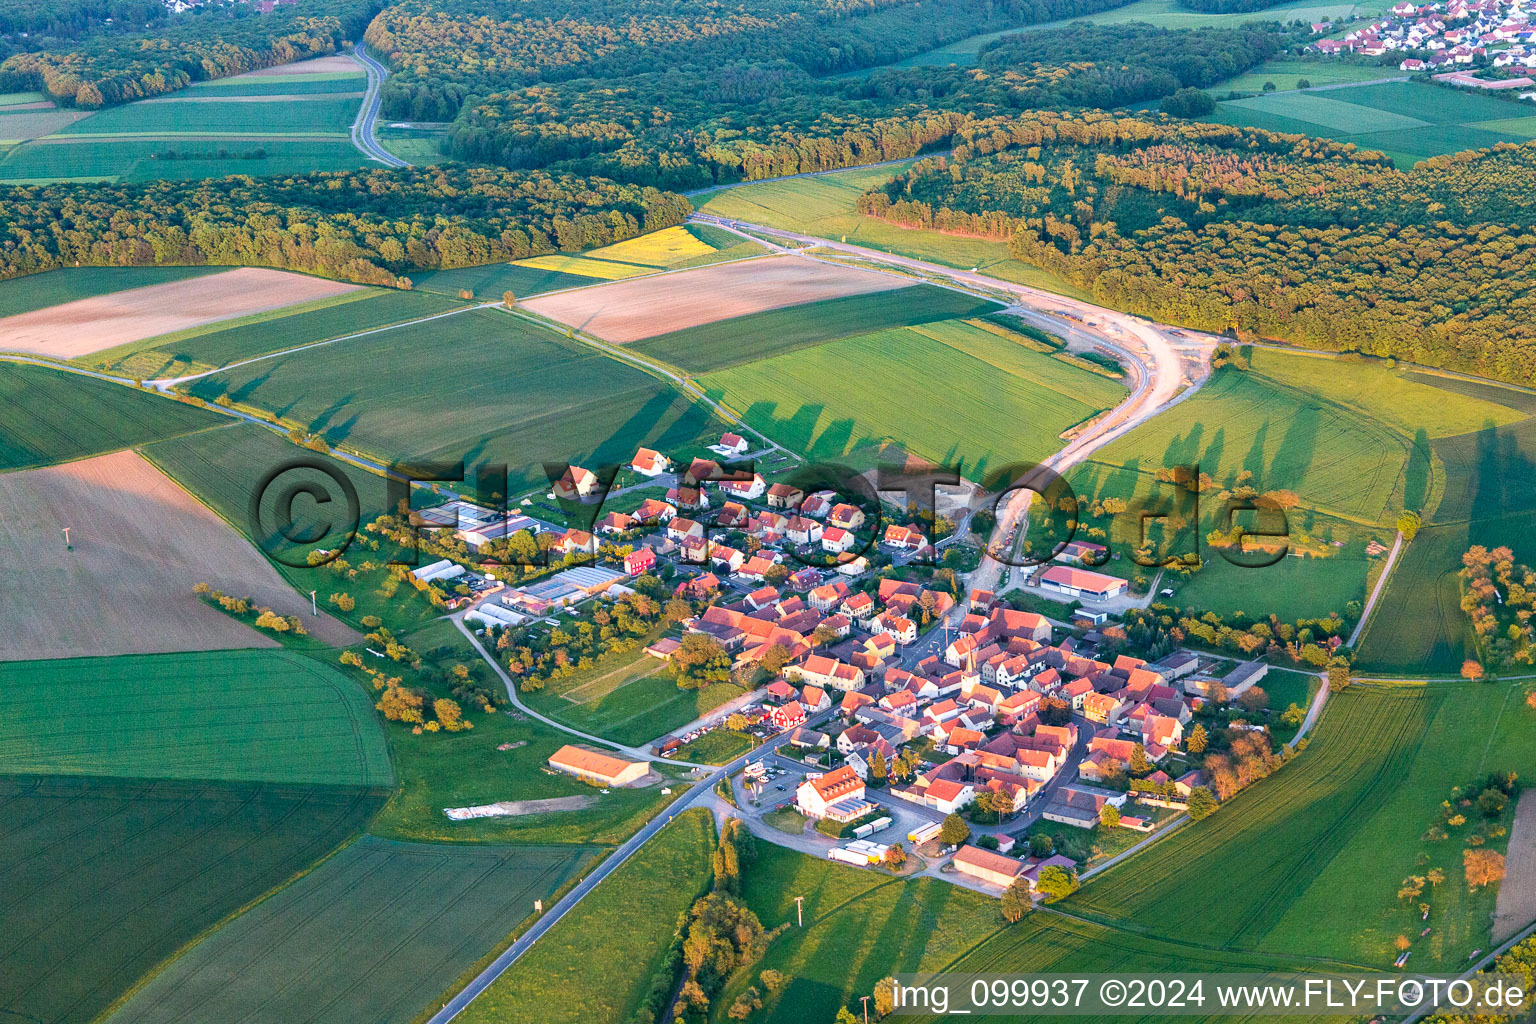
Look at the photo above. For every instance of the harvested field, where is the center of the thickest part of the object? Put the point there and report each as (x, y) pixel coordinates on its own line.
(139, 544)
(1516, 907)
(631, 310)
(89, 325)
(334, 64)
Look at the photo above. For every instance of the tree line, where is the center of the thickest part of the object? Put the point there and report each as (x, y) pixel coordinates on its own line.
(213, 42)
(1209, 226)
(368, 226)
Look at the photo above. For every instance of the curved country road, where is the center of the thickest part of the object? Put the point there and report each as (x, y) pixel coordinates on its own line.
(363, 136)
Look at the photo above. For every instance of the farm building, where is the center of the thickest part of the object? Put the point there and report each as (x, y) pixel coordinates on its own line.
(1081, 583)
(598, 768)
(986, 866)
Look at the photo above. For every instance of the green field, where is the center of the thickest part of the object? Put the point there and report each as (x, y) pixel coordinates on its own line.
(224, 468)
(718, 746)
(214, 345)
(484, 387)
(57, 416)
(137, 159)
(631, 698)
(39, 291)
(823, 205)
(466, 769)
(939, 390)
(406, 919)
(778, 331)
(235, 716)
(597, 963)
(489, 282)
(105, 878)
(1490, 499)
(210, 115)
(1306, 863)
(1336, 460)
(1407, 120)
(1284, 73)
(278, 85)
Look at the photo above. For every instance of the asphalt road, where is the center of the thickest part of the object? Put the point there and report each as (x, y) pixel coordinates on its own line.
(363, 128)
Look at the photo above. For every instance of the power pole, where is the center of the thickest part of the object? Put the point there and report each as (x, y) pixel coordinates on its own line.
(800, 911)
(866, 1008)
(314, 606)
(67, 545)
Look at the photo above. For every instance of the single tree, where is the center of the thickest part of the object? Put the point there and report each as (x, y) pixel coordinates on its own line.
(1041, 845)
(1109, 816)
(1017, 902)
(1201, 803)
(1196, 740)
(1471, 670)
(1056, 883)
(1408, 524)
(954, 831)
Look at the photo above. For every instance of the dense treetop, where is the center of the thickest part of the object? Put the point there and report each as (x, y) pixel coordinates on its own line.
(107, 69)
(366, 226)
(1276, 236)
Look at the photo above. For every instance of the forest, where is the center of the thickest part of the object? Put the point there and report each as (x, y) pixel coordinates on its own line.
(1255, 234)
(370, 226)
(444, 51)
(690, 128)
(105, 69)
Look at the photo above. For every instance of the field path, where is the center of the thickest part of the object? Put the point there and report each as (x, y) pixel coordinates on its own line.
(1381, 584)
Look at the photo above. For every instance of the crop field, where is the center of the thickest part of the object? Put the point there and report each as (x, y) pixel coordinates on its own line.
(584, 266)
(1336, 460)
(823, 205)
(1490, 499)
(1285, 74)
(906, 385)
(1407, 120)
(210, 346)
(744, 339)
(129, 158)
(76, 851)
(490, 282)
(284, 116)
(1238, 879)
(596, 964)
(1406, 400)
(631, 698)
(225, 468)
(234, 716)
(626, 311)
(411, 917)
(485, 386)
(1487, 391)
(278, 85)
(1471, 731)
(54, 287)
(105, 321)
(57, 416)
(138, 543)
